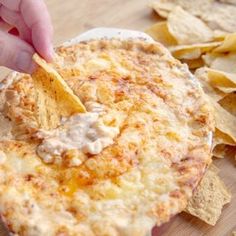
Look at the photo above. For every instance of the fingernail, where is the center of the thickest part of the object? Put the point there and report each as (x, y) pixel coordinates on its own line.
(51, 52)
(24, 62)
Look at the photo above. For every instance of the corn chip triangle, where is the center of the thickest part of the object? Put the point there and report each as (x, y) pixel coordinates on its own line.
(54, 98)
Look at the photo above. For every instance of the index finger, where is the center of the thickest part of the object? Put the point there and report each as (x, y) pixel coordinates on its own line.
(36, 17)
(13, 5)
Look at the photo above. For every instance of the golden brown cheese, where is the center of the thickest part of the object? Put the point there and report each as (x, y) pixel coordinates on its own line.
(146, 176)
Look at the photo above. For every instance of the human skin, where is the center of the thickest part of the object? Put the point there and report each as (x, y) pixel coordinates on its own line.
(32, 21)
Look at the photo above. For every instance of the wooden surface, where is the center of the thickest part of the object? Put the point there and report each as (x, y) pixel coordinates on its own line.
(73, 17)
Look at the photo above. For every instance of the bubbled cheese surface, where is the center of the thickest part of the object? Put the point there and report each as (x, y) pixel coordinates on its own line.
(160, 123)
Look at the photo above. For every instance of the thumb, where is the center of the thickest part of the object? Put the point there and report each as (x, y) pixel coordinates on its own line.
(15, 53)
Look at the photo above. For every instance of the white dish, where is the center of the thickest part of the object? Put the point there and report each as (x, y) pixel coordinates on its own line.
(100, 33)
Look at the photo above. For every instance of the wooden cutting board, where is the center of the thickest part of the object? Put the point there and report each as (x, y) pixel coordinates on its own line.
(73, 17)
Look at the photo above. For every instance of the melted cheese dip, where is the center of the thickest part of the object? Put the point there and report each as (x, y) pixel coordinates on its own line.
(82, 131)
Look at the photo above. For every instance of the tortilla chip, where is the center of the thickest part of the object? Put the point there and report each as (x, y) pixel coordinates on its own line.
(163, 7)
(234, 233)
(220, 35)
(224, 151)
(188, 29)
(231, 152)
(194, 64)
(209, 58)
(228, 45)
(227, 90)
(202, 75)
(221, 16)
(222, 144)
(186, 53)
(229, 103)
(222, 138)
(220, 151)
(160, 33)
(226, 63)
(193, 51)
(222, 79)
(218, 16)
(225, 82)
(54, 97)
(225, 122)
(209, 197)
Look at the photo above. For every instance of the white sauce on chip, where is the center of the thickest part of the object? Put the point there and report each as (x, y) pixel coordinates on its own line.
(82, 131)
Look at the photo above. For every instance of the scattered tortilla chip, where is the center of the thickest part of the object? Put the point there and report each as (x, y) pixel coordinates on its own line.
(193, 51)
(220, 151)
(229, 103)
(163, 7)
(225, 122)
(209, 197)
(221, 141)
(160, 33)
(218, 16)
(209, 58)
(225, 82)
(221, 16)
(228, 45)
(226, 63)
(231, 152)
(186, 53)
(221, 144)
(221, 79)
(227, 90)
(188, 29)
(54, 97)
(220, 35)
(222, 138)
(159, 11)
(202, 75)
(224, 151)
(194, 64)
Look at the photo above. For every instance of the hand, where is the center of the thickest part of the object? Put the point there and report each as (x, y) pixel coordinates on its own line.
(32, 21)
